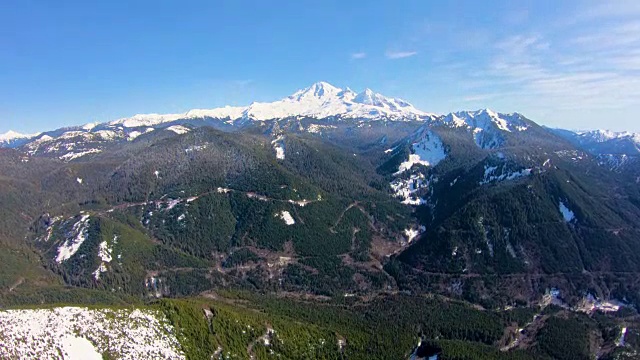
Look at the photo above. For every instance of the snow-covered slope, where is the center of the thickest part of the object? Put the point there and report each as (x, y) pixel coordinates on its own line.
(82, 333)
(427, 149)
(323, 100)
(411, 184)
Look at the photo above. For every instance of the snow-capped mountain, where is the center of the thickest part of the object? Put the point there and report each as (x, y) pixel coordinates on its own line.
(488, 127)
(322, 109)
(320, 100)
(485, 118)
(599, 142)
(13, 138)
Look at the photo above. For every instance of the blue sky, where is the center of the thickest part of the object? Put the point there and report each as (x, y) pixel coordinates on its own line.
(572, 64)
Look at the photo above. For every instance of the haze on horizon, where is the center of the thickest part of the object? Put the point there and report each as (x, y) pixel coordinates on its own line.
(574, 64)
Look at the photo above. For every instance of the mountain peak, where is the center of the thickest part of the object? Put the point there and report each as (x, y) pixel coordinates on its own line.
(319, 89)
(12, 135)
(323, 100)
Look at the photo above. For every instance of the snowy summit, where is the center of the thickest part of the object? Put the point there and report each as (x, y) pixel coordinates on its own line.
(320, 100)
(12, 135)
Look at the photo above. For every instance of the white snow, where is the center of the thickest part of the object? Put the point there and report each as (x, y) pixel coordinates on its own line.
(82, 333)
(134, 134)
(278, 146)
(13, 135)
(74, 155)
(623, 333)
(230, 112)
(77, 348)
(107, 135)
(104, 253)
(323, 100)
(486, 119)
(75, 238)
(44, 138)
(491, 176)
(320, 100)
(286, 217)
(79, 180)
(195, 148)
(317, 129)
(178, 129)
(567, 214)
(486, 125)
(406, 189)
(428, 151)
(412, 233)
(89, 126)
(606, 135)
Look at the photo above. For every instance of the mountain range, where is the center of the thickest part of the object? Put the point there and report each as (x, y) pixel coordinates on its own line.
(354, 199)
(323, 101)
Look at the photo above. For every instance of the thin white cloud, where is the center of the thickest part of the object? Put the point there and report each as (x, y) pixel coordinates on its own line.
(358, 55)
(609, 9)
(400, 54)
(243, 82)
(592, 79)
(478, 97)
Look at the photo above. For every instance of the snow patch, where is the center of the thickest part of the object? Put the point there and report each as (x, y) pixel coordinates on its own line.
(286, 217)
(567, 214)
(278, 146)
(134, 134)
(178, 129)
(75, 238)
(411, 234)
(195, 148)
(104, 253)
(505, 174)
(428, 151)
(406, 189)
(74, 155)
(79, 180)
(317, 129)
(623, 333)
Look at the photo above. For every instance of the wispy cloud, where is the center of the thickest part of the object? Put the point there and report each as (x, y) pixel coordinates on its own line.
(609, 9)
(478, 97)
(358, 55)
(243, 82)
(400, 54)
(586, 68)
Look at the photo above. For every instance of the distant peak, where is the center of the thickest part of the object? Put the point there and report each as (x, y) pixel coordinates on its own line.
(10, 135)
